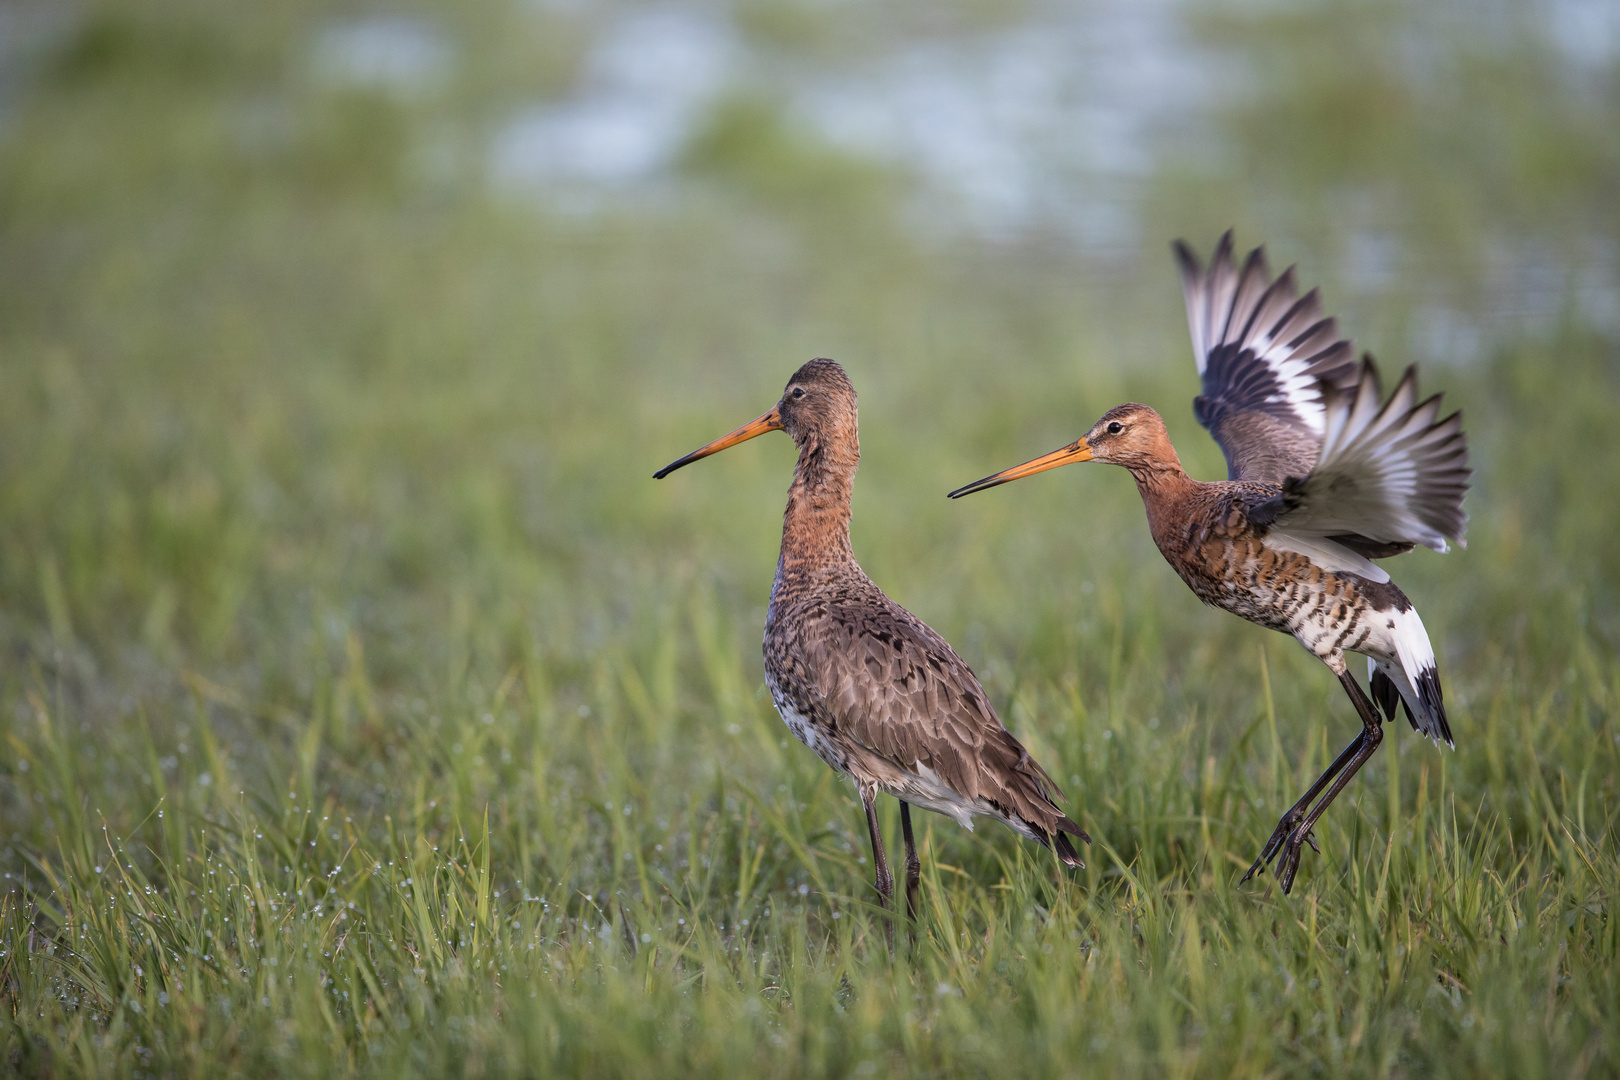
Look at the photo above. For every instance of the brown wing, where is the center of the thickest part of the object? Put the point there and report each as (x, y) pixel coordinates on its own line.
(1265, 358)
(897, 688)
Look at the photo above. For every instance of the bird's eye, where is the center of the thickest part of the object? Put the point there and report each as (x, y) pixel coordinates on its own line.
(798, 391)
(1115, 427)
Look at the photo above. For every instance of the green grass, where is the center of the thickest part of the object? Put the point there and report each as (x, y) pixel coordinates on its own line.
(366, 707)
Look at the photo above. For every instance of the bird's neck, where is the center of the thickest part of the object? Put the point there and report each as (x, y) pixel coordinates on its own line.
(815, 526)
(1161, 481)
(1157, 466)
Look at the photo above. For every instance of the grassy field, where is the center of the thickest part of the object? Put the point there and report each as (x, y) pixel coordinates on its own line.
(366, 708)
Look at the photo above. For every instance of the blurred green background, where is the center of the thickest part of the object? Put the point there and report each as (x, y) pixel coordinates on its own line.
(339, 343)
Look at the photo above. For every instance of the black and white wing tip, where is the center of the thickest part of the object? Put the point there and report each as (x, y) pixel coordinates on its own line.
(1248, 309)
(1264, 354)
(1390, 471)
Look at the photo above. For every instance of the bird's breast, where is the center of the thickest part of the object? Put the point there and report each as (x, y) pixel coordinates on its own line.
(1239, 574)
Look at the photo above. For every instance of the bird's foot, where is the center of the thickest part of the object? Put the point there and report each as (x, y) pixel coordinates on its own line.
(1282, 839)
(1289, 864)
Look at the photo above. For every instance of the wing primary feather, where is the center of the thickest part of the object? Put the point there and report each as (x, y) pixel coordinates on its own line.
(1249, 289)
(1263, 355)
(1304, 315)
(1389, 474)
(1261, 314)
(1221, 285)
(1192, 276)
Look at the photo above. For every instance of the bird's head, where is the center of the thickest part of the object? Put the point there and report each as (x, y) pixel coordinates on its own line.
(818, 406)
(1131, 435)
(818, 409)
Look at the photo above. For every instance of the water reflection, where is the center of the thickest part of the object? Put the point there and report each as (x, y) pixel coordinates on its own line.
(645, 83)
(1046, 119)
(392, 53)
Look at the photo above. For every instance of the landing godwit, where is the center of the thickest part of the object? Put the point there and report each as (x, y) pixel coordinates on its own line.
(858, 678)
(1324, 475)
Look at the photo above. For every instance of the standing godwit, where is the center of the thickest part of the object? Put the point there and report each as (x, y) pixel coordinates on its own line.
(862, 681)
(1324, 476)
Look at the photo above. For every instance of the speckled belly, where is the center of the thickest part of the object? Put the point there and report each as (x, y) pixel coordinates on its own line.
(1248, 595)
(1331, 623)
(1318, 608)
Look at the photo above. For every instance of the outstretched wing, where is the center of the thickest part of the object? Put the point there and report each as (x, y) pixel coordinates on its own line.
(1265, 357)
(1389, 473)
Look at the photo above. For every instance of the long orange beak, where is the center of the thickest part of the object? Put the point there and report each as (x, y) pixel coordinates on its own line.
(1078, 450)
(770, 421)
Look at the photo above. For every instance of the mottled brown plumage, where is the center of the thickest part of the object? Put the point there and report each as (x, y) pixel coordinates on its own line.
(1325, 475)
(858, 678)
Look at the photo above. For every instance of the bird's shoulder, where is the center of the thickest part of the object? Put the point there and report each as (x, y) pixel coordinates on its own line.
(1215, 511)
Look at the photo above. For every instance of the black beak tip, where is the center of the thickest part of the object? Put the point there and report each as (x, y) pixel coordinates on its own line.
(969, 489)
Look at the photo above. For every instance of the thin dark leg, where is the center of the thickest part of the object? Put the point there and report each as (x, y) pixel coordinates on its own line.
(913, 864)
(1296, 813)
(885, 882)
(1372, 734)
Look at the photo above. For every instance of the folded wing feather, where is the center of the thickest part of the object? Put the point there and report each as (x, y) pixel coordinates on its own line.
(897, 688)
